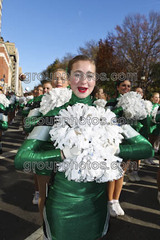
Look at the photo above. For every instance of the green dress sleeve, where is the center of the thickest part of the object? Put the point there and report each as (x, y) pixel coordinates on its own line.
(36, 151)
(30, 122)
(136, 148)
(118, 111)
(32, 155)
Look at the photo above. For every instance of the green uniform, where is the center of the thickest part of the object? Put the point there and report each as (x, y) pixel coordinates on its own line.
(3, 117)
(155, 126)
(141, 126)
(30, 122)
(74, 211)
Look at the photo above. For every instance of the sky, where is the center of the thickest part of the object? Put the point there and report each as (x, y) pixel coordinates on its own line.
(46, 30)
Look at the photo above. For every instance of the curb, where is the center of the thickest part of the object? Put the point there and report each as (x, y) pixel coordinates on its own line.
(37, 235)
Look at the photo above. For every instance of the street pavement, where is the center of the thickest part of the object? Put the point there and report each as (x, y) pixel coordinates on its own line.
(18, 216)
(20, 219)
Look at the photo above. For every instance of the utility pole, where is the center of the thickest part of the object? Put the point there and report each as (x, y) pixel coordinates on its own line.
(0, 15)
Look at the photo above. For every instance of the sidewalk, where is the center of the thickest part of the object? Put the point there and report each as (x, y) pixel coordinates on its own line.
(37, 235)
(19, 218)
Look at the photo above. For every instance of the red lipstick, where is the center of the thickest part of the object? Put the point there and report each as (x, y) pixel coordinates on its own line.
(82, 89)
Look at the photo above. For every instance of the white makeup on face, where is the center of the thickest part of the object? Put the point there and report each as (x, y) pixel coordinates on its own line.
(82, 78)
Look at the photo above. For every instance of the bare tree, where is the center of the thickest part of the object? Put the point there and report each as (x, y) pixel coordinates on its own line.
(137, 44)
(66, 59)
(90, 49)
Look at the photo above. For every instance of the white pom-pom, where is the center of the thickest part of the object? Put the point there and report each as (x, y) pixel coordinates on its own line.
(4, 101)
(100, 103)
(148, 106)
(133, 106)
(55, 98)
(91, 130)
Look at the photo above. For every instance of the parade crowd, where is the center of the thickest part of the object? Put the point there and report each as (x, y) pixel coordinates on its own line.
(79, 143)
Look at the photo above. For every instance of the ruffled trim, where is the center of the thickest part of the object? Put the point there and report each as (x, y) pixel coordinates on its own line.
(91, 130)
(100, 103)
(133, 106)
(55, 98)
(4, 101)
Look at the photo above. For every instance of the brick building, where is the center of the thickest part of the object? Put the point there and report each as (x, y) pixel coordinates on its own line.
(9, 68)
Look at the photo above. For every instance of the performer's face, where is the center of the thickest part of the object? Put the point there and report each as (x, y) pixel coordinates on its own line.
(39, 91)
(82, 78)
(140, 91)
(155, 98)
(60, 79)
(47, 87)
(124, 87)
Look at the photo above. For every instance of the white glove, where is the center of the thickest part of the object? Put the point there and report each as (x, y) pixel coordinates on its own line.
(128, 131)
(71, 152)
(34, 113)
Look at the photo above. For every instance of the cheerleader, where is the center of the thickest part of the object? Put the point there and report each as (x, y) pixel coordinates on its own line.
(32, 110)
(76, 203)
(4, 105)
(59, 81)
(115, 186)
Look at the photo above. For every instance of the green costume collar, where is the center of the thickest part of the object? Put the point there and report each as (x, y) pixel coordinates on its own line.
(155, 105)
(37, 99)
(74, 99)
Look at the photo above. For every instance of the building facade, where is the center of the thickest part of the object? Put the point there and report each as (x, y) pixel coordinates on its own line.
(14, 56)
(9, 68)
(5, 66)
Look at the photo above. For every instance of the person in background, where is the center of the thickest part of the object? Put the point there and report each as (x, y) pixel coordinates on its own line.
(155, 138)
(133, 173)
(36, 103)
(4, 106)
(158, 173)
(47, 86)
(154, 128)
(59, 80)
(115, 187)
(39, 90)
(140, 91)
(100, 94)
